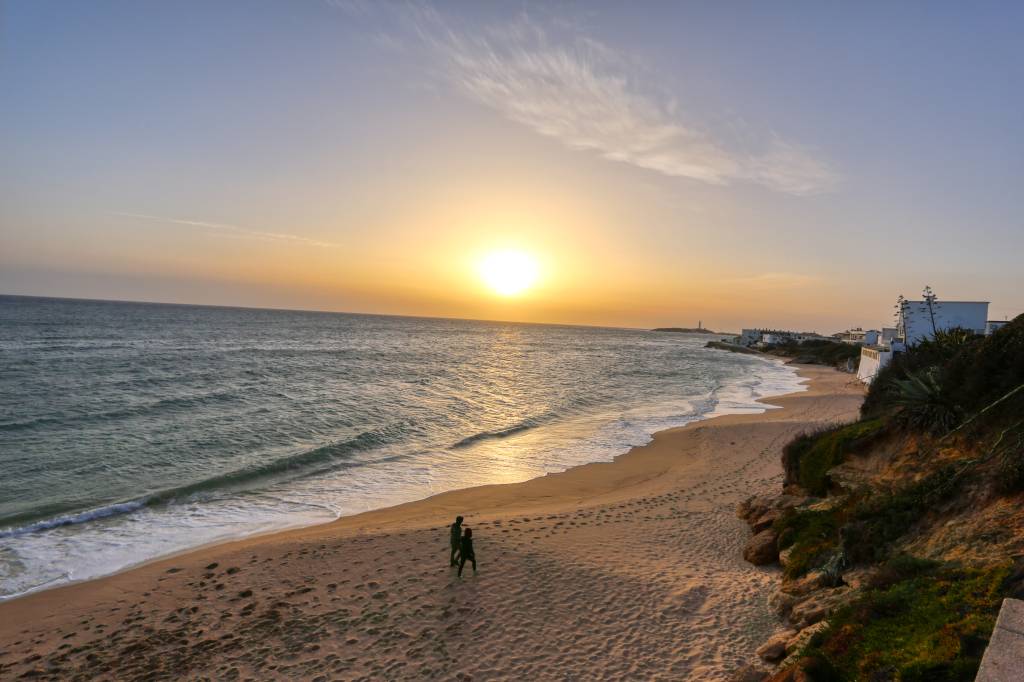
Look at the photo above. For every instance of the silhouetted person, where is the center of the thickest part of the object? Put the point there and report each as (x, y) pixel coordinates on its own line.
(466, 551)
(456, 529)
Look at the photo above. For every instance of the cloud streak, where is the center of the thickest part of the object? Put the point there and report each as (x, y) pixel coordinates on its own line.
(224, 228)
(591, 97)
(584, 95)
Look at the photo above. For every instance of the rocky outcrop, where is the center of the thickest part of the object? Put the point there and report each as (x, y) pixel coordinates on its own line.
(803, 604)
(749, 673)
(800, 639)
(762, 548)
(756, 508)
(774, 650)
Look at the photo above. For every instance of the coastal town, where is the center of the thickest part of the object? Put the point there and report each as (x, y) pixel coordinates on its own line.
(915, 321)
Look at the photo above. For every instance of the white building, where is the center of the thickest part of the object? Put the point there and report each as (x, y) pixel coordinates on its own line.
(872, 360)
(771, 337)
(918, 321)
(994, 325)
(858, 336)
(749, 337)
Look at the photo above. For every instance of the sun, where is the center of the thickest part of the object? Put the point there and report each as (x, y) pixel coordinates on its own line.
(509, 273)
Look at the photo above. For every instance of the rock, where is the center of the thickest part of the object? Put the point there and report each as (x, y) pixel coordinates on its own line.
(765, 520)
(857, 578)
(817, 606)
(775, 648)
(762, 548)
(791, 673)
(784, 556)
(799, 639)
(752, 507)
(803, 585)
(755, 507)
(781, 603)
(748, 674)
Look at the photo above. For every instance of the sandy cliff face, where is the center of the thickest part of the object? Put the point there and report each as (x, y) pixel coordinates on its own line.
(896, 547)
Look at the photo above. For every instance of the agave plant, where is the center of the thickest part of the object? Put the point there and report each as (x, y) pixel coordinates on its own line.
(945, 343)
(925, 401)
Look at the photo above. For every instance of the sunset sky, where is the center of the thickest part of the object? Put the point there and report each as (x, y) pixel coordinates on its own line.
(787, 164)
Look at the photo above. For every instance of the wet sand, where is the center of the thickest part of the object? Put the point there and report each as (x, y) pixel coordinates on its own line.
(628, 569)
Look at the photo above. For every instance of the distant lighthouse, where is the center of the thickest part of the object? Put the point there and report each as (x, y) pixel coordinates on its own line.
(700, 324)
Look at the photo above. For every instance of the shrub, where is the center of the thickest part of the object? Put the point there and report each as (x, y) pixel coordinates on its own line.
(878, 520)
(926, 401)
(969, 372)
(861, 529)
(808, 457)
(1010, 467)
(812, 535)
(832, 353)
(930, 622)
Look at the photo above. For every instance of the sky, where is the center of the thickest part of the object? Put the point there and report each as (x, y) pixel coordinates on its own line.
(744, 164)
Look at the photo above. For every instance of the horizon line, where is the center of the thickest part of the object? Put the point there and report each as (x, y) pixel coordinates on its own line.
(323, 312)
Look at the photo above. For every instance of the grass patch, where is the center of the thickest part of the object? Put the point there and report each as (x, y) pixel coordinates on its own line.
(808, 458)
(931, 623)
(812, 535)
(863, 528)
(832, 353)
(880, 519)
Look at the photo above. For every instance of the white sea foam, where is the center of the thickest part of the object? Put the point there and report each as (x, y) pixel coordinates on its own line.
(99, 542)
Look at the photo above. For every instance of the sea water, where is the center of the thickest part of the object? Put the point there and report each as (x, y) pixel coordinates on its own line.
(129, 431)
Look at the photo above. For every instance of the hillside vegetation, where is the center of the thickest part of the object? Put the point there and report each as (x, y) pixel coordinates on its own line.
(900, 534)
(831, 353)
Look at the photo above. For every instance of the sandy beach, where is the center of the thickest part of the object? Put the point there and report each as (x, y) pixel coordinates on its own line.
(623, 570)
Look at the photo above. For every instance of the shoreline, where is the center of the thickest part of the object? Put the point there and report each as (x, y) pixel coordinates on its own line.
(675, 470)
(757, 406)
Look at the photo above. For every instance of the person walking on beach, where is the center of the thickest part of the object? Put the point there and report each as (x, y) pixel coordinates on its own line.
(456, 539)
(466, 551)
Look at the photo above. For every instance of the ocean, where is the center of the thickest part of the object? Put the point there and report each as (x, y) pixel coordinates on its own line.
(129, 431)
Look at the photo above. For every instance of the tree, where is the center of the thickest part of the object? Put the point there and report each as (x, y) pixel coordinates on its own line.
(931, 300)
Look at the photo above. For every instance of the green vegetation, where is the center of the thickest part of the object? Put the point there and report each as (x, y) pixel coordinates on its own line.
(961, 395)
(831, 353)
(878, 520)
(808, 458)
(861, 529)
(921, 621)
(812, 536)
(926, 401)
(943, 381)
(1010, 467)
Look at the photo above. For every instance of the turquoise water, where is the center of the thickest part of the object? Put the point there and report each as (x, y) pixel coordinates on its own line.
(129, 431)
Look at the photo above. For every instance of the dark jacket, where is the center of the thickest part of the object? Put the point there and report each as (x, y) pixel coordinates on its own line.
(466, 550)
(456, 535)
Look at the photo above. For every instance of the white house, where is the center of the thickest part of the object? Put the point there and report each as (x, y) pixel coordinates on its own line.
(770, 337)
(994, 325)
(872, 360)
(858, 336)
(918, 321)
(748, 337)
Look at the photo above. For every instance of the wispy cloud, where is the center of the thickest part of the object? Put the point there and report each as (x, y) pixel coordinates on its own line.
(589, 96)
(225, 228)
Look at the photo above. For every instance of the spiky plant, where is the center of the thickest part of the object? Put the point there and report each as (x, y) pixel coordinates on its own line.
(925, 401)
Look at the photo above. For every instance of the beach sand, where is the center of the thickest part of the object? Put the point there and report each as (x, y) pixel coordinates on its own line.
(623, 570)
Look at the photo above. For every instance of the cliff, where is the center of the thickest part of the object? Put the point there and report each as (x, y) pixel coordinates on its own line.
(899, 535)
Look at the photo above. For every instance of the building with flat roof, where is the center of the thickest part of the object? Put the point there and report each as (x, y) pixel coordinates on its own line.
(918, 321)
